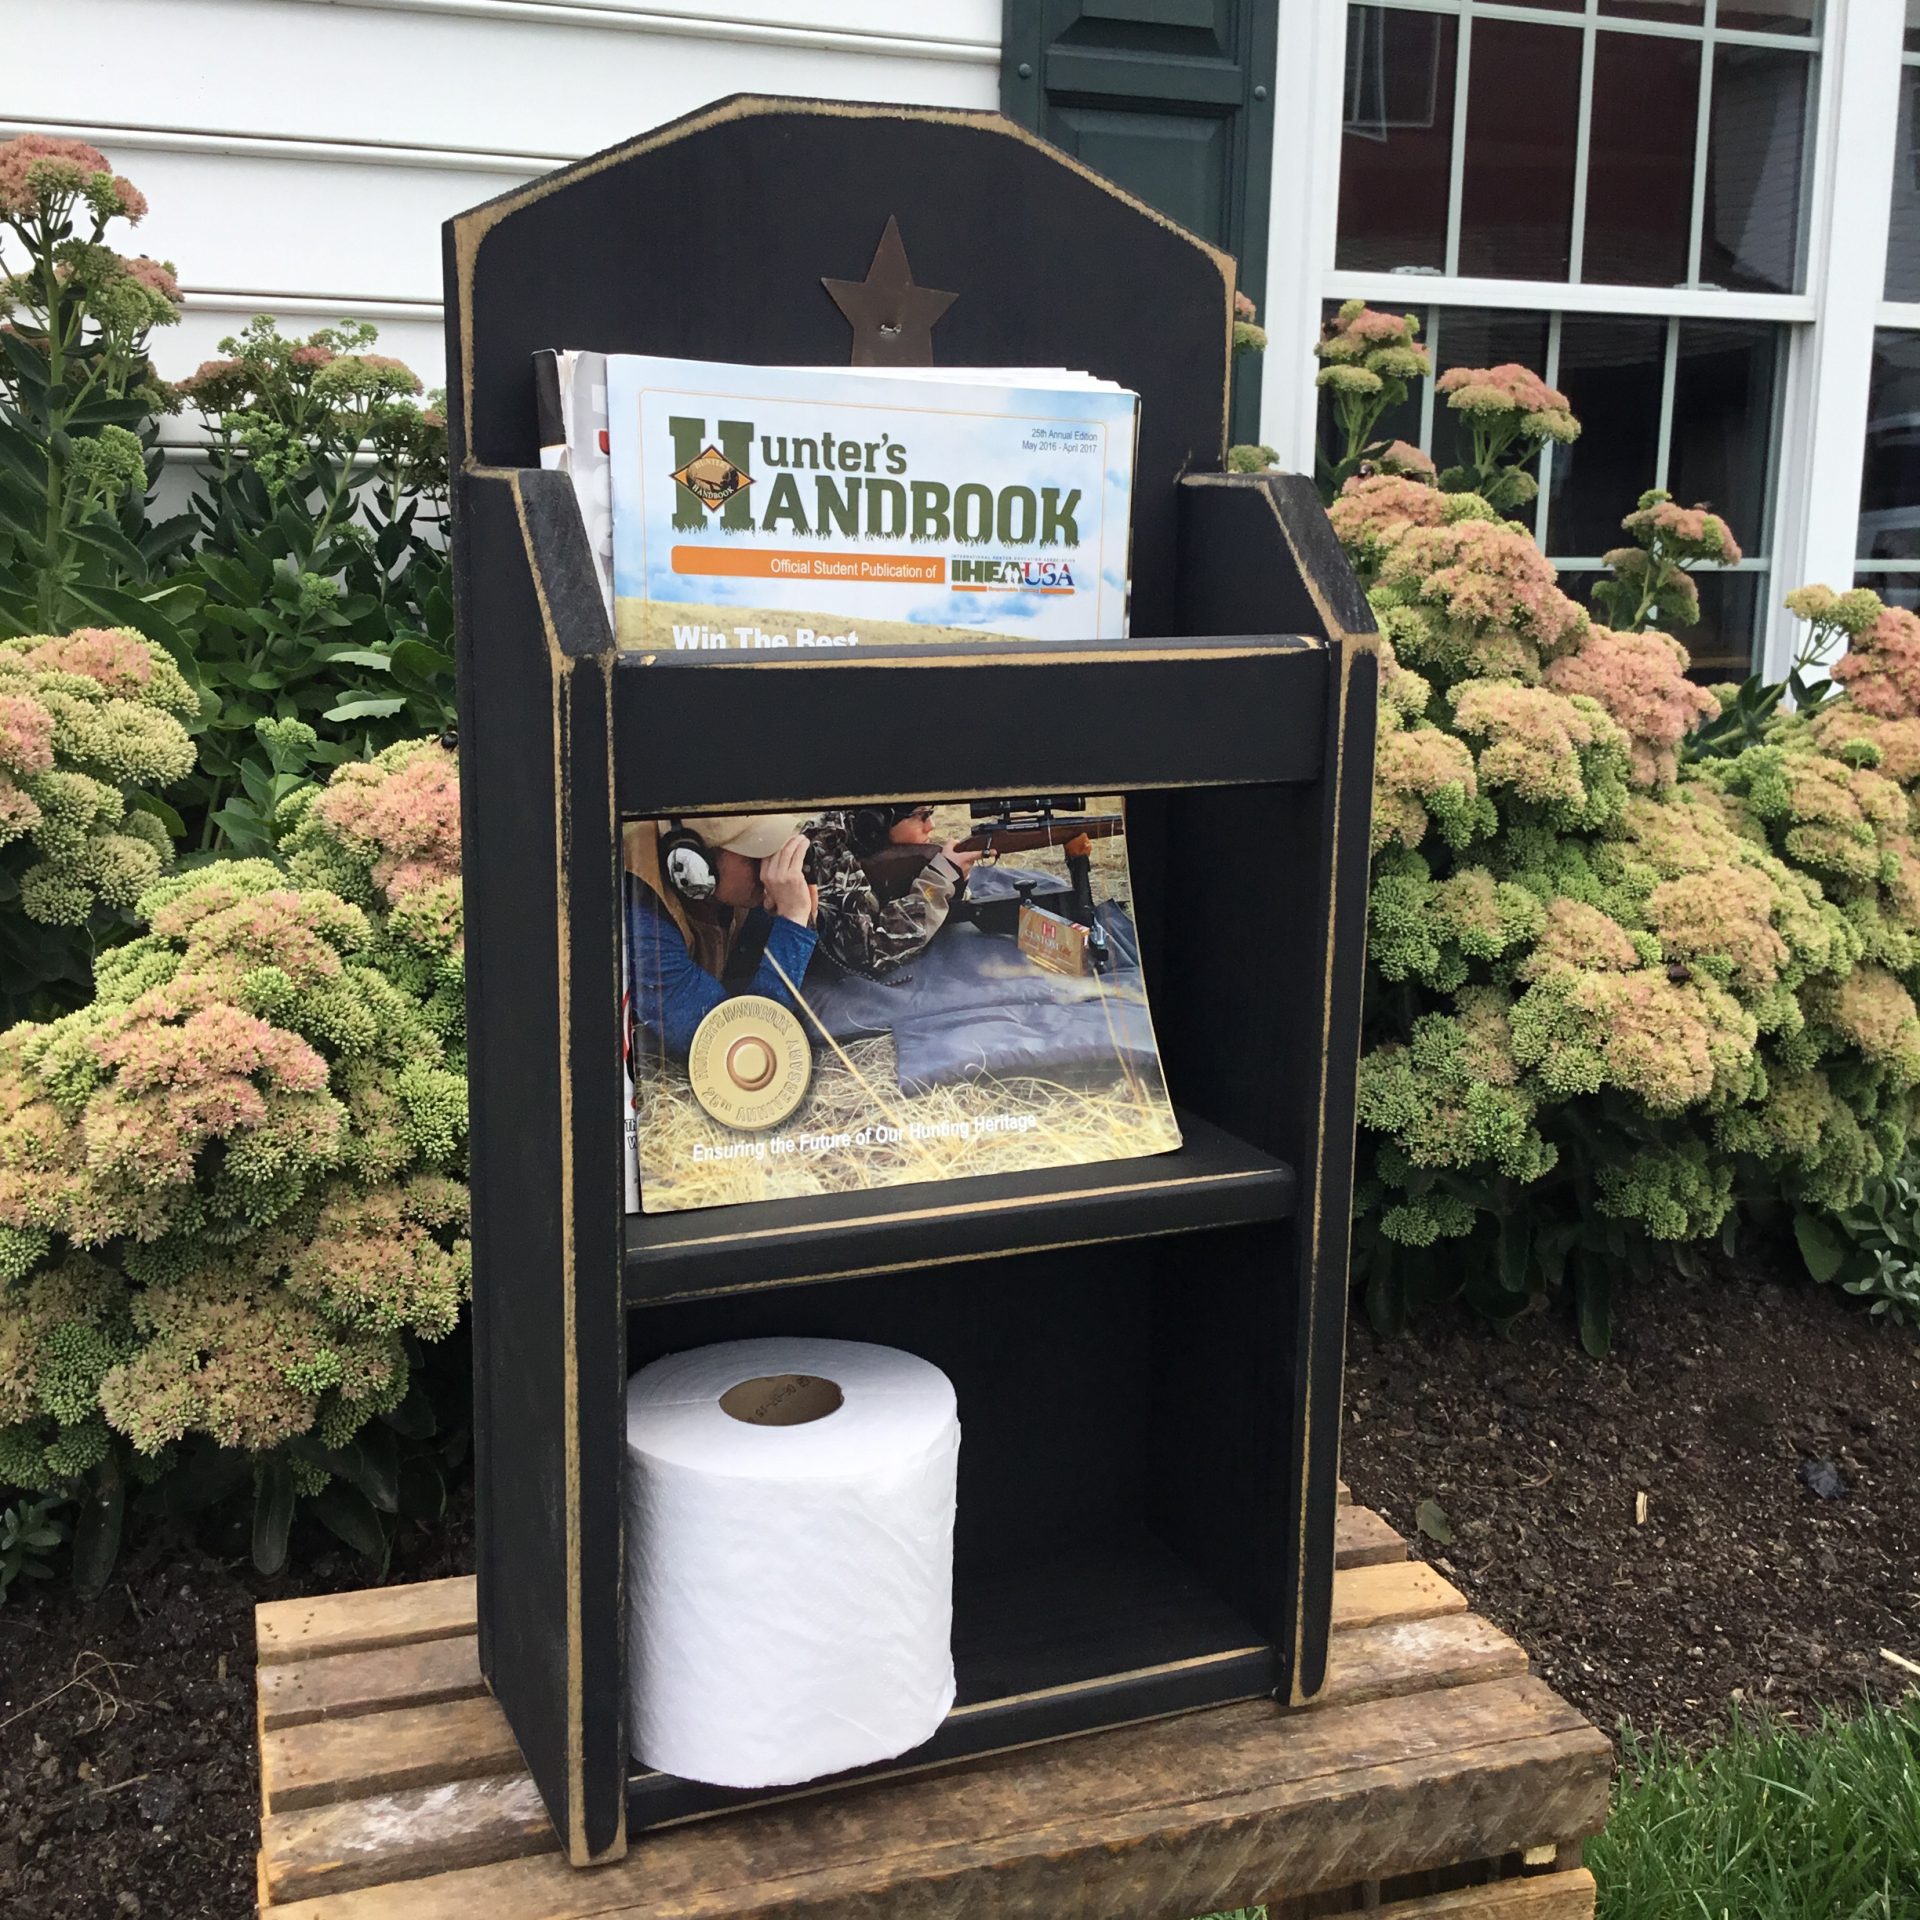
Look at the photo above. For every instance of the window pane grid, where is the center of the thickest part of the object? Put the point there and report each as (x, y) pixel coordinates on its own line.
(1690, 404)
(1527, 176)
(1577, 18)
(1889, 538)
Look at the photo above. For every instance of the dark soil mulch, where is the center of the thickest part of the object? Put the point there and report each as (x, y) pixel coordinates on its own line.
(128, 1784)
(1722, 1399)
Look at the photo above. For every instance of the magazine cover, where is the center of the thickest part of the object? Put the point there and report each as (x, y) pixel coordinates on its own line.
(763, 508)
(913, 991)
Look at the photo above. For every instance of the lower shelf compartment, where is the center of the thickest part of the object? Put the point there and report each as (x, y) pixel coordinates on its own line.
(1101, 1633)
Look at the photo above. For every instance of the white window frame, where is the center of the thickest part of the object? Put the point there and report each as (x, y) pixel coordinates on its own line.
(1829, 328)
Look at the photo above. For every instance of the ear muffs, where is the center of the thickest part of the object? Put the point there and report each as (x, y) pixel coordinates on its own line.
(688, 866)
(868, 827)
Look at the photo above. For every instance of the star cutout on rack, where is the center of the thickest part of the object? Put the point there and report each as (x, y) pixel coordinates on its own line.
(892, 319)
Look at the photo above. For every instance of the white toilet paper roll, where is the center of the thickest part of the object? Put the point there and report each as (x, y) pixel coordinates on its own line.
(789, 1558)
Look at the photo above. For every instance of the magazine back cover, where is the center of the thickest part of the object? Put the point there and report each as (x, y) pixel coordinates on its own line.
(895, 992)
(761, 508)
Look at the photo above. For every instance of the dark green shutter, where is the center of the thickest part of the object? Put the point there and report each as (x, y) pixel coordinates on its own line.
(1173, 99)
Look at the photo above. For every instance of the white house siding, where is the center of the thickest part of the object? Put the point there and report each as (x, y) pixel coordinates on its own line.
(300, 155)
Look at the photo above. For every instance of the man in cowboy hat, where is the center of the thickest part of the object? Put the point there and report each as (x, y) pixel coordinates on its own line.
(721, 906)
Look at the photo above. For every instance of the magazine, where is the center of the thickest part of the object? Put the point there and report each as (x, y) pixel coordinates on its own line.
(570, 399)
(894, 992)
(763, 508)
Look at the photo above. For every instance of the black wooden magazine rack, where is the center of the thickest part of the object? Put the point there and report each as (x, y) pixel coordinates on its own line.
(1147, 1353)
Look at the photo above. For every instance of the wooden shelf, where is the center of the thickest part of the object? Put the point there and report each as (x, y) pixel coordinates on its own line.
(1213, 1180)
(1112, 716)
(1042, 1649)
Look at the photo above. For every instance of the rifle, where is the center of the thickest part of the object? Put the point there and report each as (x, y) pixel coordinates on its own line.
(1010, 827)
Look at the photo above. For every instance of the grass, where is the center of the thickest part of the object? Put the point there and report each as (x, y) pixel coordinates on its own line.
(1772, 1824)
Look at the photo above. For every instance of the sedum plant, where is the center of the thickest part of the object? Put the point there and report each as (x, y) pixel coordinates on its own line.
(1650, 583)
(232, 1187)
(1616, 992)
(327, 621)
(1368, 362)
(77, 397)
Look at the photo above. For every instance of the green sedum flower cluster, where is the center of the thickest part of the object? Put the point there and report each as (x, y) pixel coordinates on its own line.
(232, 1186)
(90, 722)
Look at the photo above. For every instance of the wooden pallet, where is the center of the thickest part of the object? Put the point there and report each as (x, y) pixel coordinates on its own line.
(1433, 1779)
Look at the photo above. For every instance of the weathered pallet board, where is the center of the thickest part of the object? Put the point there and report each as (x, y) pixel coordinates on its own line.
(391, 1788)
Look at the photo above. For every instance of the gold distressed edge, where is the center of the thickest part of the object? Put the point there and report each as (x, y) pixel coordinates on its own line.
(1036, 1201)
(470, 229)
(1347, 644)
(1281, 647)
(558, 665)
(793, 803)
(813, 1789)
(1323, 1234)
(936, 1260)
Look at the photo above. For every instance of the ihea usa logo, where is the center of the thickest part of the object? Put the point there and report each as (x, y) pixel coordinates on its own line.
(1011, 576)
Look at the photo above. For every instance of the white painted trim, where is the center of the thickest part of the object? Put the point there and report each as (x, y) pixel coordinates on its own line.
(1898, 313)
(1302, 211)
(1824, 422)
(1557, 296)
(616, 16)
(351, 306)
(259, 146)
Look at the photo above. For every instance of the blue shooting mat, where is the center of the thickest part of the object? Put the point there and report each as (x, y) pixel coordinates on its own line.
(973, 1004)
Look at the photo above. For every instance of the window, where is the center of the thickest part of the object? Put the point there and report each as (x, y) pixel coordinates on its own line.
(1690, 405)
(1889, 544)
(1889, 559)
(1648, 146)
(1626, 142)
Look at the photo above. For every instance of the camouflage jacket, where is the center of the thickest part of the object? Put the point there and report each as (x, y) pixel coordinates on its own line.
(856, 928)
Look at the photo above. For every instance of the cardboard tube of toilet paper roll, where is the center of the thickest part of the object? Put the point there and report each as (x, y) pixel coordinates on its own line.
(789, 1558)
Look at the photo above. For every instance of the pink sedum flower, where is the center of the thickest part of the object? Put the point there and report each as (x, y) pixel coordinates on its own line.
(121, 661)
(1544, 412)
(1640, 678)
(26, 735)
(33, 163)
(1881, 669)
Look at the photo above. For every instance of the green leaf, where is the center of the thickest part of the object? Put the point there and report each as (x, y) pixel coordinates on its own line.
(415, 656)
(96, 1532)
(104, 537)
(273, 1504)
(1386, 1300)
(413, 1418)
(143, 802)
(1551, 1247)
(355, 657)
(1820, 1247)
(1593, 1300)
(1516, 1251)
(377, 1470)
(347, 1513)
(1431, 1518)
(237, 582)
(365, 709)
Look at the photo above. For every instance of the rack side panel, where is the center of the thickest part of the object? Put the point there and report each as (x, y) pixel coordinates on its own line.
(542, 934)
(1258, 550)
